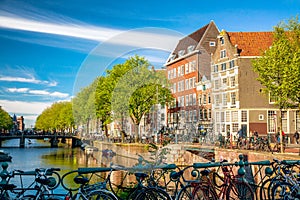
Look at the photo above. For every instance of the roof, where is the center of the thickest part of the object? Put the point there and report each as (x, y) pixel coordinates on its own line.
(251, 43)
(191, 40)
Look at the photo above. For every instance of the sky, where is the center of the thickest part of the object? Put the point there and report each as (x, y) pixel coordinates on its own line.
(51, 49)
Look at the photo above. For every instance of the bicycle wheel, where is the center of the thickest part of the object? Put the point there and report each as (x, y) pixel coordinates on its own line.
(101, 195)
(218, 181)
(263, 190)
(204, 192)
(283, 190)
(186, 193)
(239, 190)
(153, 194)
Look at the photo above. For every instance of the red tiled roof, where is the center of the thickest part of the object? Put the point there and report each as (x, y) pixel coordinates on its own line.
(251, 43)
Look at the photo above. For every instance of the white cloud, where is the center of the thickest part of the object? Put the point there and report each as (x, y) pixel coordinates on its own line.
(18, 90)
(38, 92)
(26, 80)
(84, 31)
(31, 108)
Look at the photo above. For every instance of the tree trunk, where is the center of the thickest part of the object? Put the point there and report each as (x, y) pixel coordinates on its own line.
(136, 133)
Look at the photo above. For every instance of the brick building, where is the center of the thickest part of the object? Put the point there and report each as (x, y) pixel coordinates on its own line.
(186, 66)
(238, 102)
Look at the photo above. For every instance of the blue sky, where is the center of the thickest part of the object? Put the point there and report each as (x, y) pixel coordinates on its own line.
(50, 49)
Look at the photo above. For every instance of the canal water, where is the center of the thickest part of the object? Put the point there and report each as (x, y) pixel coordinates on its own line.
(38, 154)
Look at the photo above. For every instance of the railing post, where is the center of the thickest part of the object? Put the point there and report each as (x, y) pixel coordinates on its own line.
(22, 141)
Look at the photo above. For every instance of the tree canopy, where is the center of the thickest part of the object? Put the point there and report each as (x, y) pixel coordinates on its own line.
(6, 122)
(279, 67)
(57, 117)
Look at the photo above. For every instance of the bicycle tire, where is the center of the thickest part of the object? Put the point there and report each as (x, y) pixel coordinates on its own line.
(217, 180)
(101, 195)
(283, 190)
(185, 193)
(263, 190)
(239, 190)
(153, 194)
(204, 192)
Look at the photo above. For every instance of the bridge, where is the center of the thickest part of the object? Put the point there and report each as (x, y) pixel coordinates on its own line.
(54, 139)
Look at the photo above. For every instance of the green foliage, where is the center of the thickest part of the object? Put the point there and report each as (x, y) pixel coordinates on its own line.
(57, 117)
(279, 67)
(6, 122)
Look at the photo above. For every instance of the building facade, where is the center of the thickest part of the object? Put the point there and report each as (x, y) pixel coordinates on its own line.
(189, 61)
(238, 101)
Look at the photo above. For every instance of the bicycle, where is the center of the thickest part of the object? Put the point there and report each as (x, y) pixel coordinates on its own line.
(289, 187)
(43, 184)
(87, 191)
(229, 186)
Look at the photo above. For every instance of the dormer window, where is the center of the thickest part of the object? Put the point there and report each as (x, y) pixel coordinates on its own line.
(222, 40)
(172, 57)
(191, 48)
(212, 44)
(181, 53)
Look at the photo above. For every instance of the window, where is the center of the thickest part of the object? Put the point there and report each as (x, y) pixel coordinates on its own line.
(194, 82)
(272, 121)
(228, 116)
(231, 64)
(232, 81)
(223, 53)
(234, 115)
(244, 116)
(174, 88)
(209, 98)
(284, 120)
(182, 70)
(186, 100)
(204, 114)
(174, 72)
(217, 84)
(186, 68)
(200, 114)
(209, 113)
(297, 120)
(187, 84)
(260, 117)
(222, 40)
(172, 57)
(191, 99)
(191, 83)
(193, 66)
(215, 68)
(195, 115)
(191, 48)
(194, 99)
(224, 82)
(224, 96)
(233, 98)
(223, 66)
(235, 127)
(272, 98)
(200, 100)
(181, 53)
(212, 44)
(204, 99)
(217, 100)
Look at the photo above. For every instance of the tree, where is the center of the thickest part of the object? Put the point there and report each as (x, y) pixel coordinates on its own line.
(279, 67)
(84, 109)
(6, 122)
(138, 90)
(58, 117)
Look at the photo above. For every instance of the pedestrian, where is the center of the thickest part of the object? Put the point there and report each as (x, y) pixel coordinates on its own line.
(296, 136)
